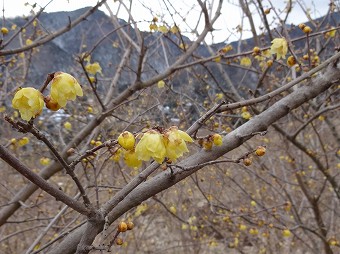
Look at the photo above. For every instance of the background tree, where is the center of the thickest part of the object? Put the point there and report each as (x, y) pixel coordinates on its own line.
(260, 176)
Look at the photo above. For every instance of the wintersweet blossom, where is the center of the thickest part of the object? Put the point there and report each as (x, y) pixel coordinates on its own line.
(126, 140)
(131, 160)
(217, 139)
(175, 143)
(29, 101)
(93, 68)
(151, 145)
(279, 47)
(64, 87)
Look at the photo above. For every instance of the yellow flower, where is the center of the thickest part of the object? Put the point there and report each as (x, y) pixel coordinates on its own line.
(126, 140)
(163, 29)
(64, 87)
(217, 139)
(242, 227)
(173, 209)
(93, 68)
(153, 27)
(29, 42)
(226, 49)
(279, 47)
(286, 233)
(68, 126)
(29, 101)
(245, 61)
(160, 84)
(331, 33)
(175, 143)
(246, 115)
(151, 145)
(92, 79)
(217, 59)
(175, 29)
(4, 30)
(131, 160)
(23, 141)
(98, 143)
(183, 46)
(116, 156)
(253, 231)
(44, 161)
(184, 226)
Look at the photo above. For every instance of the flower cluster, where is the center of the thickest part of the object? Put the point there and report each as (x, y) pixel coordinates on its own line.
(154, 144)
(30, 102)
(210, 140)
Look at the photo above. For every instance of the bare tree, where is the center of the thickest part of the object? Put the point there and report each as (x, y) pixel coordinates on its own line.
(271, 176)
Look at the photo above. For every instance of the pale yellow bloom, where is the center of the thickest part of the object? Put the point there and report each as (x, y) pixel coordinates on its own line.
(163, 29)
(153, 27)
(23, 141)
(64, 87)
(246, 115)
(116, 156)
(4, 30)
(160, 84)
(245, 61)
(151, 145)
(126, 140)
(217, 139)
(44, 161)
(173, 209)
(131, 160)
(331, 33)
(175, 143)
(68, 126)
(175, 29)
(279, 47)
(29, 42)
(286, 233)
(29, 101)
(93, 68)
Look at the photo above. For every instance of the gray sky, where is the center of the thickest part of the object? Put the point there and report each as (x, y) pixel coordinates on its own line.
(144, 10)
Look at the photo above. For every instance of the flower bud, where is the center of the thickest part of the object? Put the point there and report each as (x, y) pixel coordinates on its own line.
(4, 30)
(126, 140)
(122, 226)
(119, 241)
(291, 61)
(307, 30)
(217, 139)
(260, 151)
(51, 104)
(130, 225)
(247, 162)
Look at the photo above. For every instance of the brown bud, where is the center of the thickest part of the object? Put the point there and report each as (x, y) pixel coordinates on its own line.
(260, 151)
(119, 241)
(130, 225)
(122, 226)
(247, 161)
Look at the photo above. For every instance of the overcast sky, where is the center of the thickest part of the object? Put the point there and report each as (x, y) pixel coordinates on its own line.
(143, 11)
